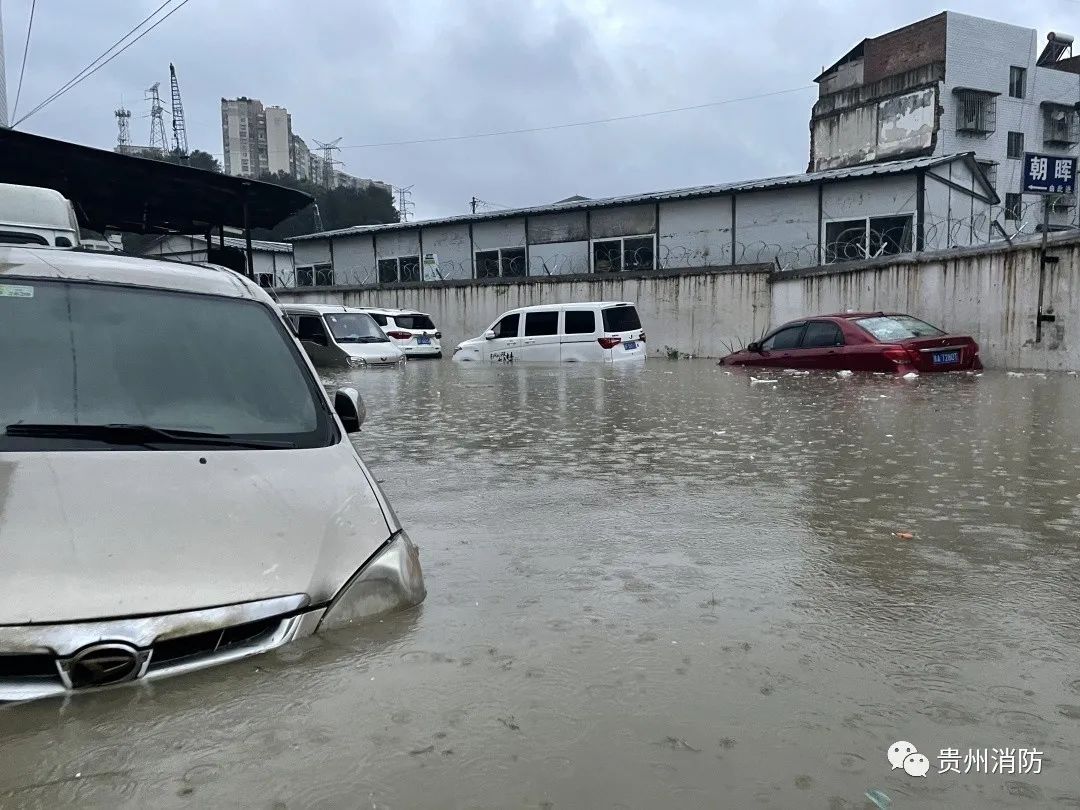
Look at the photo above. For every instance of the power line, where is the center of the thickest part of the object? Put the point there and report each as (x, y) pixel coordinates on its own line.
(83, 75)
(26, 50)
(549, 127)
(70, 82)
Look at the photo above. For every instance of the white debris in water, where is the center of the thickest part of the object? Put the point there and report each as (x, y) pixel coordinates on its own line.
(845, 373)
(911, 375)
(760, 380)
(1014, 374)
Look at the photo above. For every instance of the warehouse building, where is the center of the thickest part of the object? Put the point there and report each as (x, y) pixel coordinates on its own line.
(800, 220)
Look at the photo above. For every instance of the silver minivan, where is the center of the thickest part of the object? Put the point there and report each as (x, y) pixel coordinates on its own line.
(336, 335)
(176, 487)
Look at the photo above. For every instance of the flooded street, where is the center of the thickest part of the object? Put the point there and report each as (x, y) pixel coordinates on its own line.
(666, 587)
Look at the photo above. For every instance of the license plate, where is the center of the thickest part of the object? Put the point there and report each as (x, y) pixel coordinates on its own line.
(630, 345)
(945, 358)
(423, 340)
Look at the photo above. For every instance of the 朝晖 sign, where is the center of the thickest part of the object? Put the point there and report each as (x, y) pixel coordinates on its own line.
(1049, 174)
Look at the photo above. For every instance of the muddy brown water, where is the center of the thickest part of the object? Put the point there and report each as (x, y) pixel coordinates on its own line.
(665, 588)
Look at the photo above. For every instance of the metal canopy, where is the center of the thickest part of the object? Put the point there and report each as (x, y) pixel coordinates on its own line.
(140, 195)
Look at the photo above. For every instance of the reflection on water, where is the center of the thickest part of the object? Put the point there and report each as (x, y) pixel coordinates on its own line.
(650, 588)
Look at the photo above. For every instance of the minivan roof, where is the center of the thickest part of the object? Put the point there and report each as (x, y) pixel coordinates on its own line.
(574, 304)
(114, 268)
(388, 311)
(318, 309)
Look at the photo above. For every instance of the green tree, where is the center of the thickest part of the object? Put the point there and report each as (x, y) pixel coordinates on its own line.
(338, 208)
(198, 159)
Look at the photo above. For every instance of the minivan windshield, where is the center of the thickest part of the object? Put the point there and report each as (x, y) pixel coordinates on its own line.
(94, 366)
(354, 327)
(890, 328)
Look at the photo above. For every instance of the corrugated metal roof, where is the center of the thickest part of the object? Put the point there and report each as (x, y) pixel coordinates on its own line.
(787, 181)
(233, 242)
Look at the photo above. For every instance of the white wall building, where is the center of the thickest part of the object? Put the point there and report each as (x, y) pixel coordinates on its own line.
(272, 261)
(948, 84)
(279, 141)
(789, 222)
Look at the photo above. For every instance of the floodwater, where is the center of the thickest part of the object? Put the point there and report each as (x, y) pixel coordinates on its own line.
(659, 588)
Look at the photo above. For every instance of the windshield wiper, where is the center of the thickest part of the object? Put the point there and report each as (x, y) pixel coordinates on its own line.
(372, 339)
(125, 434)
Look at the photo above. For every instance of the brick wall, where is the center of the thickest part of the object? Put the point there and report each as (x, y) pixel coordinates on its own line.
(904, 49)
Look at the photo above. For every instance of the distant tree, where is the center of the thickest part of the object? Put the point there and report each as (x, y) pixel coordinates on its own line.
(338, 208)
(198, 159)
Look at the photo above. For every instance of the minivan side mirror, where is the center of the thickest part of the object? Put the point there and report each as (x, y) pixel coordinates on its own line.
(753, 347)
(489, 334)
(350, 409)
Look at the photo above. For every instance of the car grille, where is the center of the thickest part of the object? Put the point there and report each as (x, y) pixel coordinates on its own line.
(33, 665)
(175, 650)
(26, 675)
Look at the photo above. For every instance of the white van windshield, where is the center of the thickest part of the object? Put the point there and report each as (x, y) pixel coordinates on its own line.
(354, 327)
(95, 366)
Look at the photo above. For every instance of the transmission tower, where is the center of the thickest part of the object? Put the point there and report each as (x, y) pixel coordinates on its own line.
(123, 126)
(179, 131)
(404, 204)
(158, 140)
(328, 162)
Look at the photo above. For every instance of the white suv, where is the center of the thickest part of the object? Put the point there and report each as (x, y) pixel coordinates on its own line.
(411, 331)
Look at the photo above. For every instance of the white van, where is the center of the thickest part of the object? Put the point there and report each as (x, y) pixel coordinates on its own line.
(591, 332)
(177, 489)
(335, 335)
(36, 216)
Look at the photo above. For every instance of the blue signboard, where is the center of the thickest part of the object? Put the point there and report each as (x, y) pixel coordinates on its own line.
(1049, 174)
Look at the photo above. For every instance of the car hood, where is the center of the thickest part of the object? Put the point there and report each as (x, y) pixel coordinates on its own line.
(89, 534)
(372, 352)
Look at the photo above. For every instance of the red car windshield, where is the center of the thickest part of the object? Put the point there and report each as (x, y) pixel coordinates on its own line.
(891, 328)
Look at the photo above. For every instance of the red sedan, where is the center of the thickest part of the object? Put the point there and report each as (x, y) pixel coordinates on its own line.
(861, 341)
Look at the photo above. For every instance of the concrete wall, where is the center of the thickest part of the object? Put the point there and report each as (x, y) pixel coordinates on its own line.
(877, 130)
(451, 244)
(694, 313)
(695, 233)
(354, 260)
(988, 292)
(779, 225)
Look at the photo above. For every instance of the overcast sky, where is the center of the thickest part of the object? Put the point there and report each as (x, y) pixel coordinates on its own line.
(372, 71)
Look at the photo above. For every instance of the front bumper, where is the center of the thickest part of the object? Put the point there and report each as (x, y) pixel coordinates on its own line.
(46, 660)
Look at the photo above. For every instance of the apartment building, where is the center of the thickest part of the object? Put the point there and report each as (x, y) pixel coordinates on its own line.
(949, 84)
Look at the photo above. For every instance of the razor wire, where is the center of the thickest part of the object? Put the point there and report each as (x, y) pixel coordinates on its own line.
(858, 242)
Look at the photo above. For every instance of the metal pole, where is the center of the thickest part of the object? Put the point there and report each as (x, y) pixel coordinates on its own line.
(1042, 269)
(3, 80)
(247, 238)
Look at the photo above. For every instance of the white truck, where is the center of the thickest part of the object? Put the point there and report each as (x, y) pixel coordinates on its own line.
(37, 217)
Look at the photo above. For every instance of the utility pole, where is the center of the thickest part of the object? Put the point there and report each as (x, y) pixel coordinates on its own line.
(3, 80)
(123, 125)
(473, 203)
(403, 202)
(158, 139)
(328, 161)
(178, 128)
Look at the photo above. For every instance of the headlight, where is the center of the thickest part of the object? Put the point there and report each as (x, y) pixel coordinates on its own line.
(390, 581)
(401, 362)
(357, 362)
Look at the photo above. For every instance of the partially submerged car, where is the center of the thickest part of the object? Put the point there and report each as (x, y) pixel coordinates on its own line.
(589, 332)
(177, 489)
(336, 335)
(861, 341)
(411, 331)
